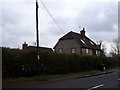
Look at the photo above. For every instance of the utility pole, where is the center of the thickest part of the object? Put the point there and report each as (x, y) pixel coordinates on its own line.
(37, 32)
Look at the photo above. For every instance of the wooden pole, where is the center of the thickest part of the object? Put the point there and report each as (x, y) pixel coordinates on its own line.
(37, 32)
(37, 35)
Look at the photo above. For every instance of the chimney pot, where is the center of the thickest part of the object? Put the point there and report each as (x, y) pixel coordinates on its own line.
(83, 32)
(24, 46)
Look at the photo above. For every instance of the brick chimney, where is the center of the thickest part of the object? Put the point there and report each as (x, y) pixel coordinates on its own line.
(24, 46)
(82, 32)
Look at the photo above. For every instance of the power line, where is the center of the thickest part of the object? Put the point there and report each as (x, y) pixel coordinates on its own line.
(52, 17)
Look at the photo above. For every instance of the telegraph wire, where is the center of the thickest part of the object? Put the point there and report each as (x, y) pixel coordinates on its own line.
(52, 17)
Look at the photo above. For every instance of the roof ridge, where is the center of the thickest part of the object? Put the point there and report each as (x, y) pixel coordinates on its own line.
(89, 43)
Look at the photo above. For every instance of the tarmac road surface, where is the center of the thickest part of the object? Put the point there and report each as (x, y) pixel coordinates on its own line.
(109, 80)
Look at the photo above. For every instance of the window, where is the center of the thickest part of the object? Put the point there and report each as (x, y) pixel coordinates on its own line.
(91, 42)
(97, 52)
(90, 51)
(73, 50)
(87, 51)
(60, 50)
(82, 41)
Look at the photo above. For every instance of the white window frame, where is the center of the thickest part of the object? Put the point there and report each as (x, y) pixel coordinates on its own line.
(91, 42)
(73, 50)
(97, 52)
(60, 50)
(86, 51)
(82, 41)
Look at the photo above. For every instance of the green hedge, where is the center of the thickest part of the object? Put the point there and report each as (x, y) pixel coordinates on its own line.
(17, 63)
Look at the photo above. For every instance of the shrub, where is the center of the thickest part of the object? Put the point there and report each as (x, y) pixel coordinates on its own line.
(17, 63)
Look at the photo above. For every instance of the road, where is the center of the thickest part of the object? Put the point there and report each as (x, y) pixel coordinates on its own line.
(110, 80)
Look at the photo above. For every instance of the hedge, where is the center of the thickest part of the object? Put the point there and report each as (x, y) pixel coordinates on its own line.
(17, 63)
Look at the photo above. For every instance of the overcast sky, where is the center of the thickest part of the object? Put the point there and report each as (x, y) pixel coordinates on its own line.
(99, 17)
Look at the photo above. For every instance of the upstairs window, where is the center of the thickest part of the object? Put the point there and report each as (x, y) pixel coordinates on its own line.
(73, 50)
(96, 52)
(60, 50)
(82, 41)
(87, 51)
(91, 42)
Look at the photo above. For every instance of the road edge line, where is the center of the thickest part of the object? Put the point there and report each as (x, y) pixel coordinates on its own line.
(98, 86)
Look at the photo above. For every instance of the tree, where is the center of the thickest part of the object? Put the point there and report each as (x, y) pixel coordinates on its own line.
(115, 48)
(102, 46)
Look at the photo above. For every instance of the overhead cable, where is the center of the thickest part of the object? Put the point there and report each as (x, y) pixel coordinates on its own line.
(52, 17)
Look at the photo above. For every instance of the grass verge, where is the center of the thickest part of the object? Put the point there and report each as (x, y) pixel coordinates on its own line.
(48, 77)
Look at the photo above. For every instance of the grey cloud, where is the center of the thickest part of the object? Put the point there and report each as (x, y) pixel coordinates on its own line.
(88, 17)
(15, 28)
(9, 16)
(10, 41)
(99, 30)
(119, 20)
(18, 30)
(66, 23)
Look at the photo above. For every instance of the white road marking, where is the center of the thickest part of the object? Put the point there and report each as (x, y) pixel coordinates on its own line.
(96, 87)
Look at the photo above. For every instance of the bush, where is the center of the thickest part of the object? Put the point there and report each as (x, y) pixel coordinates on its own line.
(17, 63)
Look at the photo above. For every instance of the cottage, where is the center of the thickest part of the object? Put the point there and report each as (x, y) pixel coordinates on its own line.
(75, 43)
(25, 47)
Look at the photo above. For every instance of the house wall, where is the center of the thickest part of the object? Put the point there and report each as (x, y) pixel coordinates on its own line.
(67, 45)
(90, 52)
(98, 53)
(83, 51)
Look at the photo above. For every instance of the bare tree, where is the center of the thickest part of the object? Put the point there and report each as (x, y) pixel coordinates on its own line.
(104, 49)
(115, 48)
(102, 46)
(34, 43)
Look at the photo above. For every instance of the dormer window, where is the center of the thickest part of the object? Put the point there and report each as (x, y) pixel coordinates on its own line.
(82, 41)
(91, 42)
